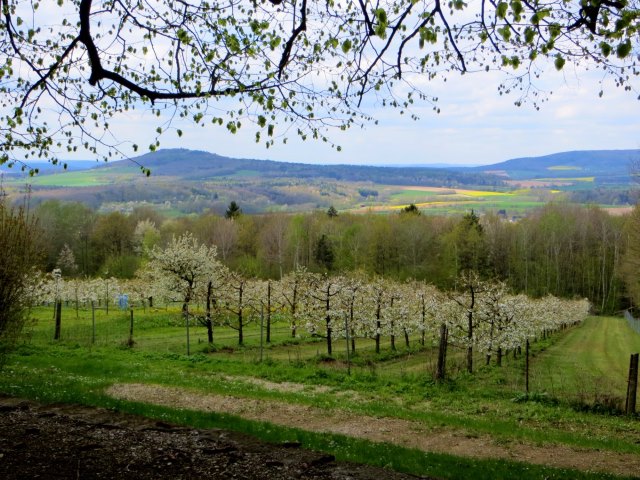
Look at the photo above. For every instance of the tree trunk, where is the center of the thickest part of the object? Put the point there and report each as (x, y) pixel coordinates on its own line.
(294, 302)
(240, 318)
(393, 337)
(328, 323)
(470, 331)
(269, 312)
(378, 327)
(56, 335)
(526, 366)
(442, 353)
(208, 321)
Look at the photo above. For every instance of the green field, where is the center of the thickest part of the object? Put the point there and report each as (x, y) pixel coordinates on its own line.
(592, 363)
(90, 178)
(565, 409)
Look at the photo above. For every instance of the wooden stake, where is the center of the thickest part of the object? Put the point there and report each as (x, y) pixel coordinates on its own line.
(632, 385)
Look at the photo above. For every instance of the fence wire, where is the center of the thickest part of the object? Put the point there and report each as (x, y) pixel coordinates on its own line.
(634, 323)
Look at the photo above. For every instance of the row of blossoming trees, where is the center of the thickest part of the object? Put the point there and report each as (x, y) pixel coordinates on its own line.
(479, 316)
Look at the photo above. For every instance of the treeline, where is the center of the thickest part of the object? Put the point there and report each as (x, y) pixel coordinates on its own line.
(565, 250)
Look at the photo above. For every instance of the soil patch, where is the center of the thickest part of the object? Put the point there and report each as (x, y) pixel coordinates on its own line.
(71, 441)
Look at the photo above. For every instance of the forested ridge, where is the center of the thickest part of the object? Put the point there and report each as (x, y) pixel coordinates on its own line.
(199, 165)
(560, 249)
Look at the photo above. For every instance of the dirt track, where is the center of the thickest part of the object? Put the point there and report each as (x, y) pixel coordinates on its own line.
(392, 430)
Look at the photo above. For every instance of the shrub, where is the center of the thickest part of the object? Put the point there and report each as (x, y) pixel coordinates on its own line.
(18, 245)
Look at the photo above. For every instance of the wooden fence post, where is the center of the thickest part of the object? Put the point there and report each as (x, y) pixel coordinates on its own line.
(632, 385)
(186, 317)
(526, 367)
(93, 323)
(130, 343)
(442, 353)
(56, 335)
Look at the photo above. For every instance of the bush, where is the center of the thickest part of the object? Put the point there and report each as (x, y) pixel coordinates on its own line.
(20, 254)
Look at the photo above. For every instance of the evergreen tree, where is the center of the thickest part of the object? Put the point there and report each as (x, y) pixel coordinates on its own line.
(233, 210)
(324, 253)
(411, 209)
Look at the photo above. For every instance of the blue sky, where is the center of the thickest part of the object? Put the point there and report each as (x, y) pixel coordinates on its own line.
(476, 126)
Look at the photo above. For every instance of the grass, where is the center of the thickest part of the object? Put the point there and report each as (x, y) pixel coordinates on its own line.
(592, 363)
(391, 384)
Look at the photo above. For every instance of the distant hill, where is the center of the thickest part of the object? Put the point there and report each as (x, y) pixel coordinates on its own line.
(198, 165)
(608, 166)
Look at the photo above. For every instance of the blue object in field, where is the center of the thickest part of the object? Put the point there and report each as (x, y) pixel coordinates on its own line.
(123, 302)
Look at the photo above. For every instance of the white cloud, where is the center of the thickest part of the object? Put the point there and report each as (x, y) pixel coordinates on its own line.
(476, 125)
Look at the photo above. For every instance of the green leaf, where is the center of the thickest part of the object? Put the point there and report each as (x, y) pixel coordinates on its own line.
(501, 10)
(559, 62)
(529, 35)
(505, 33)
(517, 9)
(382, 23)
(183, 36)
(624, 49)
(346, 46)
(539, 16)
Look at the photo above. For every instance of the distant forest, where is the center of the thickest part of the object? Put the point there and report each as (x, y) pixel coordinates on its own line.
(560, 249)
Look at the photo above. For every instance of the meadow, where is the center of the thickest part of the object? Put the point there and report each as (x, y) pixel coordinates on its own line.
(480, 425)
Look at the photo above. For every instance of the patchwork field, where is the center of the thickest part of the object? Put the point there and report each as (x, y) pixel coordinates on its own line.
(193, 182)
(440, 200)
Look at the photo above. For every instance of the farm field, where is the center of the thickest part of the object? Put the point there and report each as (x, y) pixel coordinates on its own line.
(73, 179)
(566, 428)
(183, 182)
(515, 202)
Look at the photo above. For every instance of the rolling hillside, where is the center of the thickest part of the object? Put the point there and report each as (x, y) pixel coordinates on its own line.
(185, 181)
(606, 166)
(198, 165)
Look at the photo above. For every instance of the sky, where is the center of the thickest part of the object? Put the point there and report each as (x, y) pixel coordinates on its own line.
(476, 126)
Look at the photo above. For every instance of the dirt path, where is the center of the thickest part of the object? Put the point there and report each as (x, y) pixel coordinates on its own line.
(406, 433)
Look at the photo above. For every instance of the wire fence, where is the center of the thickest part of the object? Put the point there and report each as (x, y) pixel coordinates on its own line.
(634, 323)
(165, 330)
